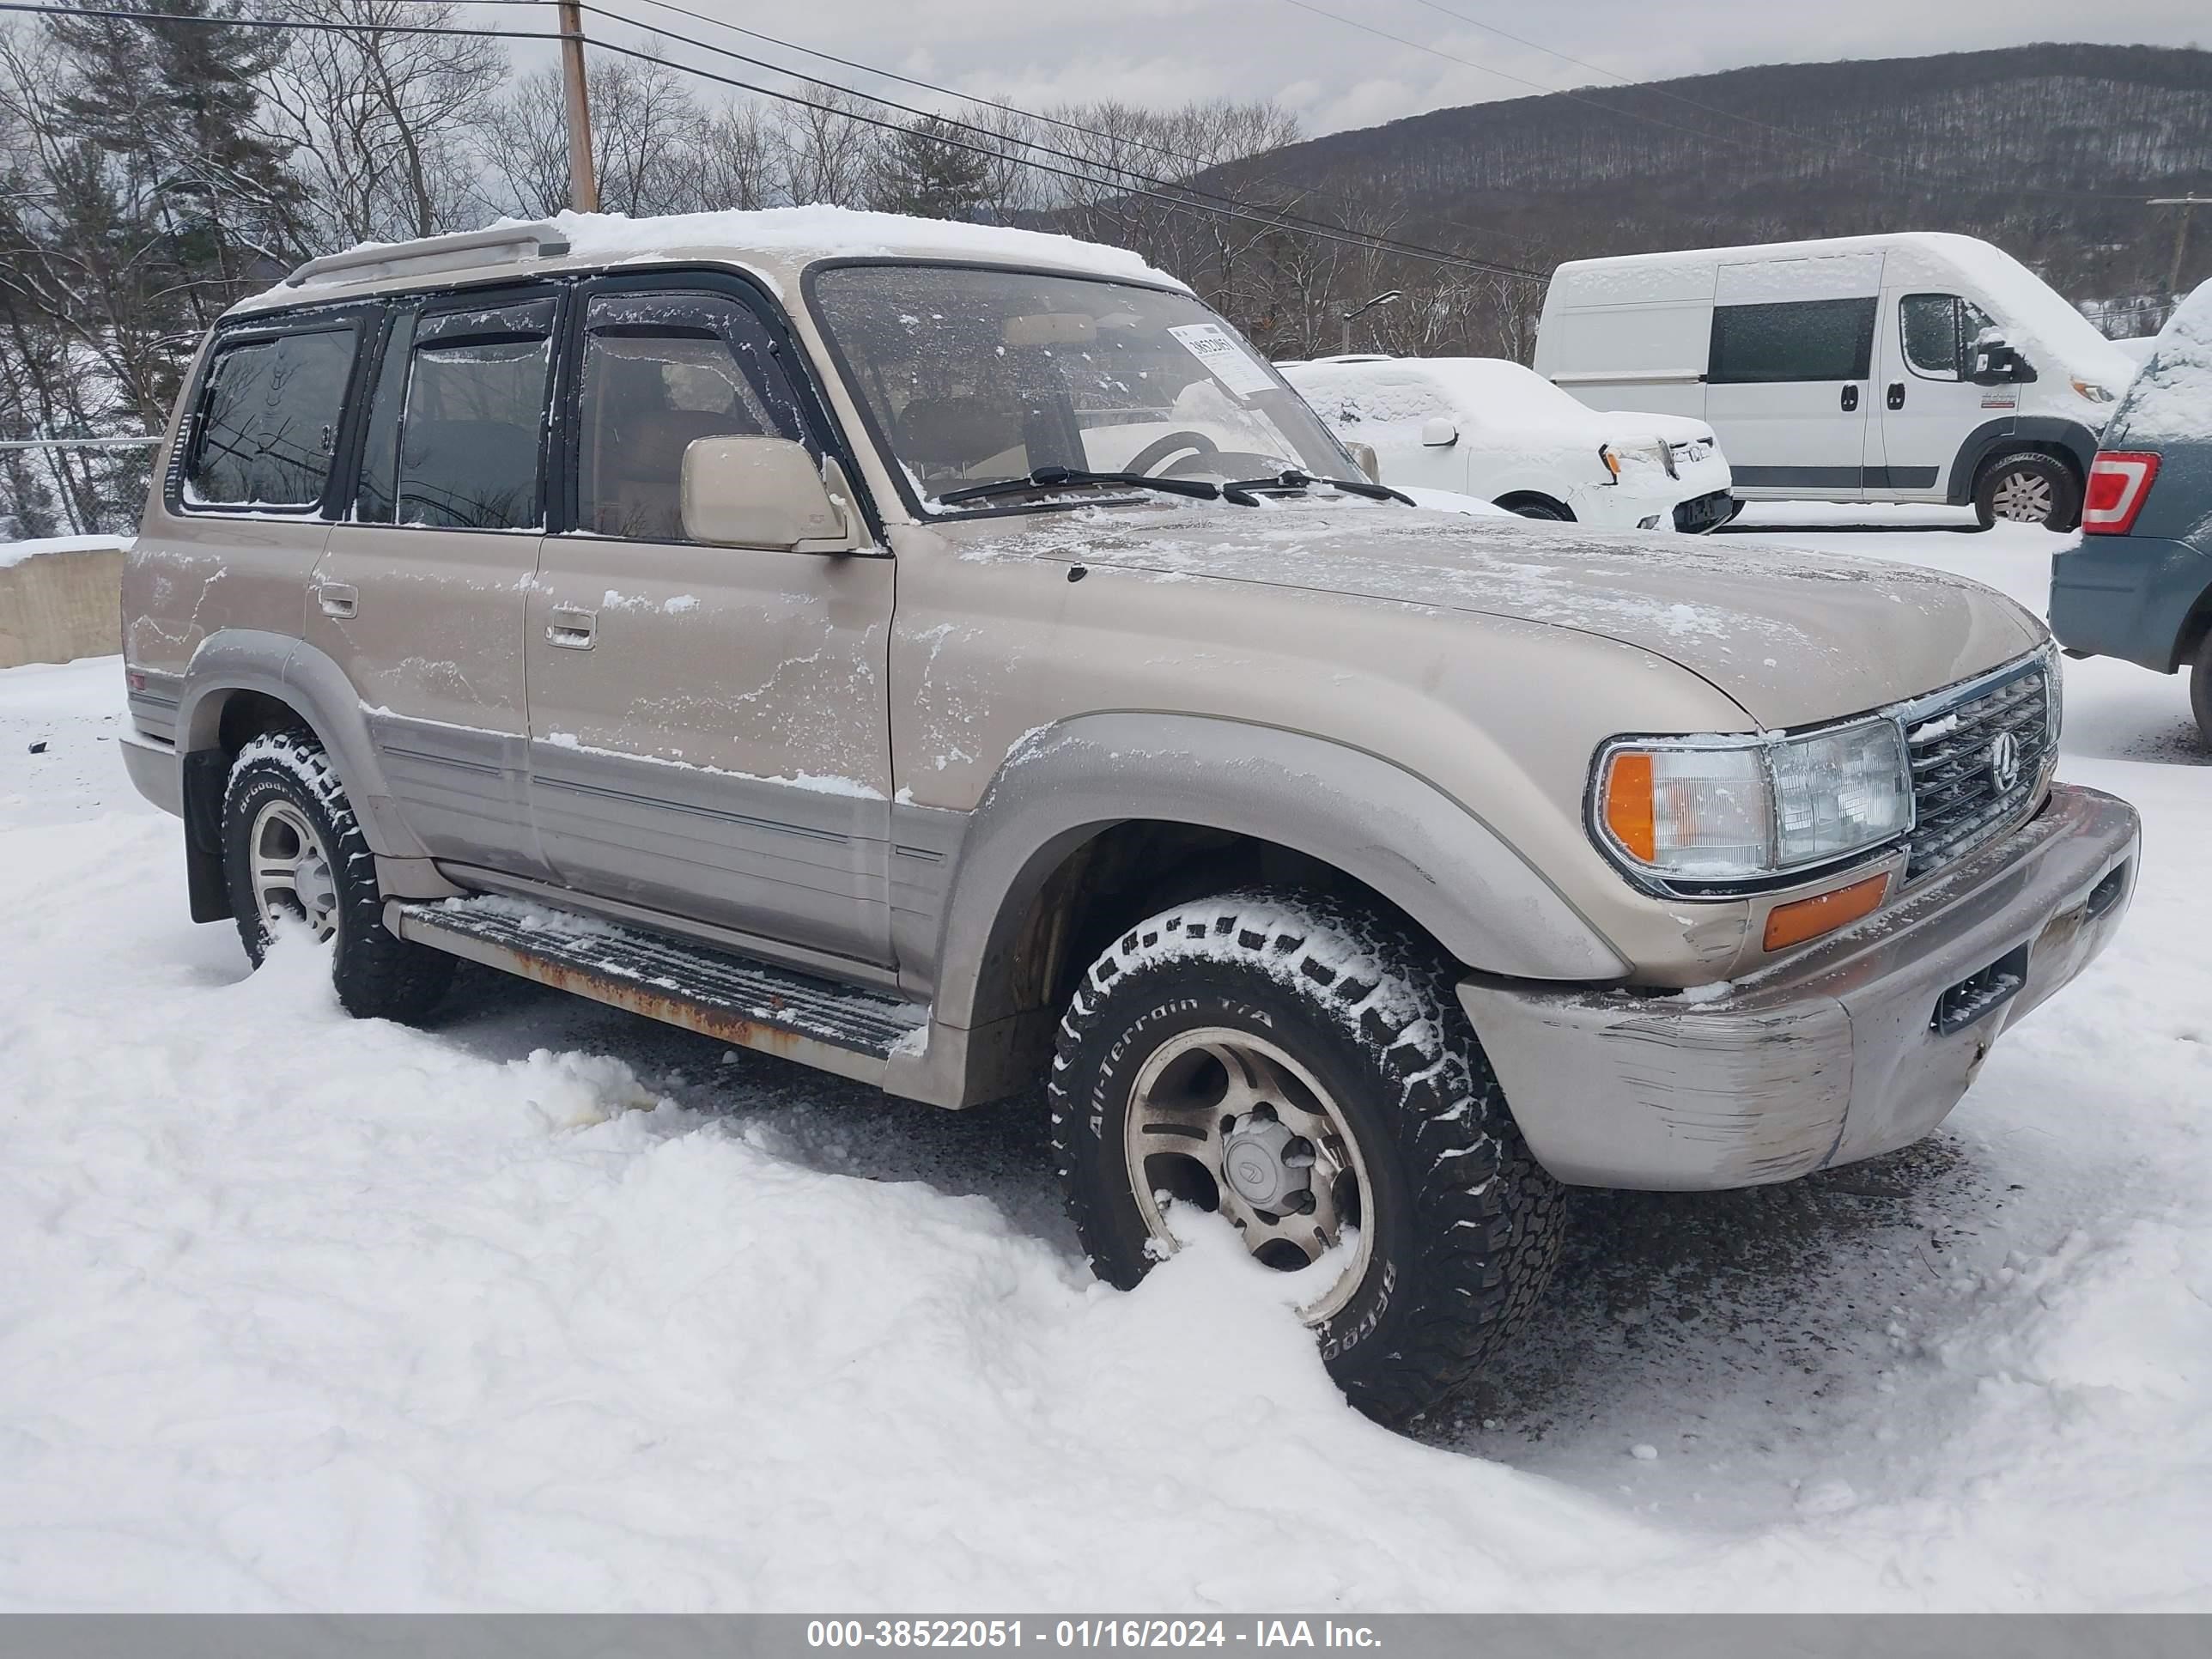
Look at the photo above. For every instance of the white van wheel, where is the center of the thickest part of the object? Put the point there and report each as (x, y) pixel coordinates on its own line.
(2028, 488)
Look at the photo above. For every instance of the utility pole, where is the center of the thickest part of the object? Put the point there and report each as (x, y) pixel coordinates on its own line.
(583, 182)
(2180, 232)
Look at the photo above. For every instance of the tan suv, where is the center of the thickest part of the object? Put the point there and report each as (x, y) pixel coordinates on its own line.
(952, 658)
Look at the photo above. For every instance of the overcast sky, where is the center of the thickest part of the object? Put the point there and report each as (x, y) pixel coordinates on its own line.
(1336, 75)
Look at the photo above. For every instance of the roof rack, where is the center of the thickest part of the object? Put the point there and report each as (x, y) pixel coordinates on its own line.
(433, 253)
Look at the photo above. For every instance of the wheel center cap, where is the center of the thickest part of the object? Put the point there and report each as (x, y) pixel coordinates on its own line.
(1253, 1158)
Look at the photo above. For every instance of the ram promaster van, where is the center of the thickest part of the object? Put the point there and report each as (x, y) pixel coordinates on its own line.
(950, 657)
(1913, 367)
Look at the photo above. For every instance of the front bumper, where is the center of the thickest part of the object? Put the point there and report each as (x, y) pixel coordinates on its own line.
(1705, 513)
(2128, 597)
(1833, 1055)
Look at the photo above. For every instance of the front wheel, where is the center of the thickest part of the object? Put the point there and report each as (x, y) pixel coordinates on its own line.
(2028, 488)
(1303, 1069)
(294, 855)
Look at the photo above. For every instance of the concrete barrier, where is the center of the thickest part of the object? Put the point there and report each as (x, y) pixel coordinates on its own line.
(62, 600)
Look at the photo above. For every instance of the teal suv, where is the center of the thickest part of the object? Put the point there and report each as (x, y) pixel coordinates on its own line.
(2139, 586)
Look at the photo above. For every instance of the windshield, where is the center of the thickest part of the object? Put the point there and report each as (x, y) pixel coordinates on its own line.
(974, 376)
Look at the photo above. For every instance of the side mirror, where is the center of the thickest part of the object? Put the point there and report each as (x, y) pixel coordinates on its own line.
(1996, 362)
(1364, 455)
(1440, 432)
(761, 492)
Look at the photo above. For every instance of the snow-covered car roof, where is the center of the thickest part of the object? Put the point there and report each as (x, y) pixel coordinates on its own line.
(775, 244)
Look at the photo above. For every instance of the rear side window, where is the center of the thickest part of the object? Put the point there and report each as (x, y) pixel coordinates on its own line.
(661, 371)
(1798, 340)
(268, 421)
(471, 419)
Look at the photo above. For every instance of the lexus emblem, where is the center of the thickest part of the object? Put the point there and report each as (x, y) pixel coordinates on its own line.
(2005, 761)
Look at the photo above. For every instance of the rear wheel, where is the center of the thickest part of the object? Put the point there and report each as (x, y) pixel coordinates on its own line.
(294, 855)
(1303, 1069)
(2028, 488)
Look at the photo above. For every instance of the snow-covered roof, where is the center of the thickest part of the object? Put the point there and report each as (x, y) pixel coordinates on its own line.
(775, 243)
(804, 235)
(2172, 398)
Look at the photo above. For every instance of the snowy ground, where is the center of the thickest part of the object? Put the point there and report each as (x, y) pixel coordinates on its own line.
(550, 1307)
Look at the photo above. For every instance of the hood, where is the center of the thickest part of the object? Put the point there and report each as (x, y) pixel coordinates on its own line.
(1793, 637)
(1675, 429)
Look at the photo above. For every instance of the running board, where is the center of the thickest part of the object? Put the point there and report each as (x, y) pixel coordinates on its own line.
(851, 1031)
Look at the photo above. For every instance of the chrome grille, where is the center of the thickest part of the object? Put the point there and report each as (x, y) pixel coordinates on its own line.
(1954, 778)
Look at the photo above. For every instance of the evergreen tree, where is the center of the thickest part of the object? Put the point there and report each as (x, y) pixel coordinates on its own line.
(933, 170)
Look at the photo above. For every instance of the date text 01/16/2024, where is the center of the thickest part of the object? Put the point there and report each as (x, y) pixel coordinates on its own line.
(1087, 1633)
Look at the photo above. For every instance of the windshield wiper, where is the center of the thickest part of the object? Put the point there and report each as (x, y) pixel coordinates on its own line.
(1241, 492)
(1057, 478)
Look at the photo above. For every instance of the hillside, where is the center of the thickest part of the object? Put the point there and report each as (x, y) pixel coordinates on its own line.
(2045, 150)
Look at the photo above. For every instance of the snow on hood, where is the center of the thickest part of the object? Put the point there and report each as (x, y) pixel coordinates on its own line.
(1793, 637)
(1500, 397)
(809, 233)
(2171, 400)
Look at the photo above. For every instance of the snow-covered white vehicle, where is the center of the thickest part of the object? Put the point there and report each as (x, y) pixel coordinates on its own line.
(950, 657)
(1913, 367)
(1485, 427)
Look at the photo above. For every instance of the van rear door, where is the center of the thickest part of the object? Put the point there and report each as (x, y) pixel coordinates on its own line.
(1789, 370)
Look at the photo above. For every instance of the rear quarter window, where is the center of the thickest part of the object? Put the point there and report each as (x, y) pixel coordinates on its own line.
(267, 431)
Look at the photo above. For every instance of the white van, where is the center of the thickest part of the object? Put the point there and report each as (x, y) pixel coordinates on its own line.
(1487, 427)
(1920, 367)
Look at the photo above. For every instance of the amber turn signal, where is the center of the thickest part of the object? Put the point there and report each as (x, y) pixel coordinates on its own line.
(1809, 918)
(1629, 805)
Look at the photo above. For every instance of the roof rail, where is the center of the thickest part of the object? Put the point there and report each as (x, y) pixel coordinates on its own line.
(432, 253)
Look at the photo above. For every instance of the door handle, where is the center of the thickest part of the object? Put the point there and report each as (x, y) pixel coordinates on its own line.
(1851, 399)
(572, 628)
(1897, 394)
(338, 599)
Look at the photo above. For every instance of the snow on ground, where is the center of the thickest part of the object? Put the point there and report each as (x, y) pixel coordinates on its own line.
(550, 1307)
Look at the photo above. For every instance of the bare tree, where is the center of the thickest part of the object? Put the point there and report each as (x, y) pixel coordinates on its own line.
(740, 163)
(382, 121)
(828, 156)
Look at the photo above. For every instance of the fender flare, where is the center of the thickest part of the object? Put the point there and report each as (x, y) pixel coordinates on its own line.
(1985, 441)
(298, 675)
(1372, 819)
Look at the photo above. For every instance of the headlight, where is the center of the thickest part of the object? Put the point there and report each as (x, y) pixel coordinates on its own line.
(2092, 391)
(1659, 454)
(1739, 809)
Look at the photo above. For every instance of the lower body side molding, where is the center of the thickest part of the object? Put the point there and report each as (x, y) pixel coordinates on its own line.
(849, 1030)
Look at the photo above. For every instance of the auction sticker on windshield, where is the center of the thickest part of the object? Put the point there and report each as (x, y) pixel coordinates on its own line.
(1229, 362)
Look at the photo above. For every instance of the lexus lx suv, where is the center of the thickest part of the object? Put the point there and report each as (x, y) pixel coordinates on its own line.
(952, 658)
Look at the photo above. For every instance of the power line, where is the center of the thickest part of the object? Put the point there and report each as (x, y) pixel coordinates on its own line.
(1201, 202)
(995, 143)
(275, 22)
(1222, 207)
(1198, 163)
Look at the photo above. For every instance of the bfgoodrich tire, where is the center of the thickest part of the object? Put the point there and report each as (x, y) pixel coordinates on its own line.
(2028, 488)
(1304, 1068)
(293, 852)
